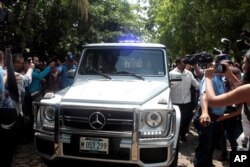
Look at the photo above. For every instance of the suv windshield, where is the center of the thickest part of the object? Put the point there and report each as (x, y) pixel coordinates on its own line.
(141, 62)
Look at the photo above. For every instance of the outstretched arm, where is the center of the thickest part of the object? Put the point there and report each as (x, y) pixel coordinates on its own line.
(44, 73)
(236, 96)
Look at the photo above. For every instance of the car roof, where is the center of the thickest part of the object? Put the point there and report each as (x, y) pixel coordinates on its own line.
(149, 45)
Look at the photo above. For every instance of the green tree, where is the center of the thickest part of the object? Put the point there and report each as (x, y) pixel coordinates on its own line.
(194, 26)
(56, 26)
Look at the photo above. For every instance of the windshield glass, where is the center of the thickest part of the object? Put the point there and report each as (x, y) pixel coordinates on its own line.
(142, 62)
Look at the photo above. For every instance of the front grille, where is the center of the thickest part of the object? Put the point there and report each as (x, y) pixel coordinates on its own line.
(115, 120)
(115, 152)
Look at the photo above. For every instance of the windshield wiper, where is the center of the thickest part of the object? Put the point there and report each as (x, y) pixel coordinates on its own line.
(130, 74)
(100, 73)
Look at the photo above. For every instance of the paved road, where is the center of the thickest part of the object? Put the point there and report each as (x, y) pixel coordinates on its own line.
(26, 156)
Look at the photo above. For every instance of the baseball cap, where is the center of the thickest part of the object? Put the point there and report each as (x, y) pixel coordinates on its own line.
(223, 57)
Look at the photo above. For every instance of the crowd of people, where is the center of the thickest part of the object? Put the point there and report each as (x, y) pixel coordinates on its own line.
(221, 111)
(23, 81)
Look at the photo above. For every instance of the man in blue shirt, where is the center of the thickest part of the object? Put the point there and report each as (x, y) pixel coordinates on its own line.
(206, 119)
(70, 64)
(35, 88)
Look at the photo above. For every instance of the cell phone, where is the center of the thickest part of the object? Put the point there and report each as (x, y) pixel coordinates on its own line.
(220, 68)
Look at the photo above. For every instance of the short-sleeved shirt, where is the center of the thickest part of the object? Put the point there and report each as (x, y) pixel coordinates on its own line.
(219, 88)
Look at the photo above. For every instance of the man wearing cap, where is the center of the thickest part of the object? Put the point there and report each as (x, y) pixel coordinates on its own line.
(65, 68)
(206, 123)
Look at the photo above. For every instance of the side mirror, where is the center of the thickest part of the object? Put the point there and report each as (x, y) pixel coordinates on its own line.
(71, 73)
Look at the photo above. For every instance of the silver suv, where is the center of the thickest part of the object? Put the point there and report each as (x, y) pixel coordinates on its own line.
(118, 109)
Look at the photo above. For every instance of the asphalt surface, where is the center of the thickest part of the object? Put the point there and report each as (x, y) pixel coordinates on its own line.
(26, 156)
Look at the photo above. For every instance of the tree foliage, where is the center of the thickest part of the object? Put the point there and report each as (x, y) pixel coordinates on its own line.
(198, 25)
(56, 26)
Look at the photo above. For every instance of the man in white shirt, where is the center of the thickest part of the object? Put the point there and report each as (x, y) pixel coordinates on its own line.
(181, 94)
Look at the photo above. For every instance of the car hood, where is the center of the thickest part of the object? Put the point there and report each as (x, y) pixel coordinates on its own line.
(119, 92)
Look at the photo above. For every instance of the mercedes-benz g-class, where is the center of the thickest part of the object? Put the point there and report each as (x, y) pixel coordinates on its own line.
(118, 109)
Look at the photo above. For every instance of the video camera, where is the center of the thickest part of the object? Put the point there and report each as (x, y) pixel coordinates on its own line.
(199, 58)
(222, 55)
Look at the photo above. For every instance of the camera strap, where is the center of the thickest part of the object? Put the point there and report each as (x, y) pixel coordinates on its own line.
(246, 111)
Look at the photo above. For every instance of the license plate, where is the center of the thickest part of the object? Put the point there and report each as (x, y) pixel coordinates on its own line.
(94, 145)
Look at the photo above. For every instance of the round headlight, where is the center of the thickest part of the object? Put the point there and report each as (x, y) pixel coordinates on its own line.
(49, 113)
(153, 119)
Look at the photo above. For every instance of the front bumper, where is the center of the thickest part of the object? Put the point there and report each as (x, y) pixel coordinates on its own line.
(124, 147)
(158, 152)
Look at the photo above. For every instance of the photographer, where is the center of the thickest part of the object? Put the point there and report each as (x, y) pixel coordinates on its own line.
(236, 96)
(35, 89)
(206, 118)
(198, 62)
(192, 62)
